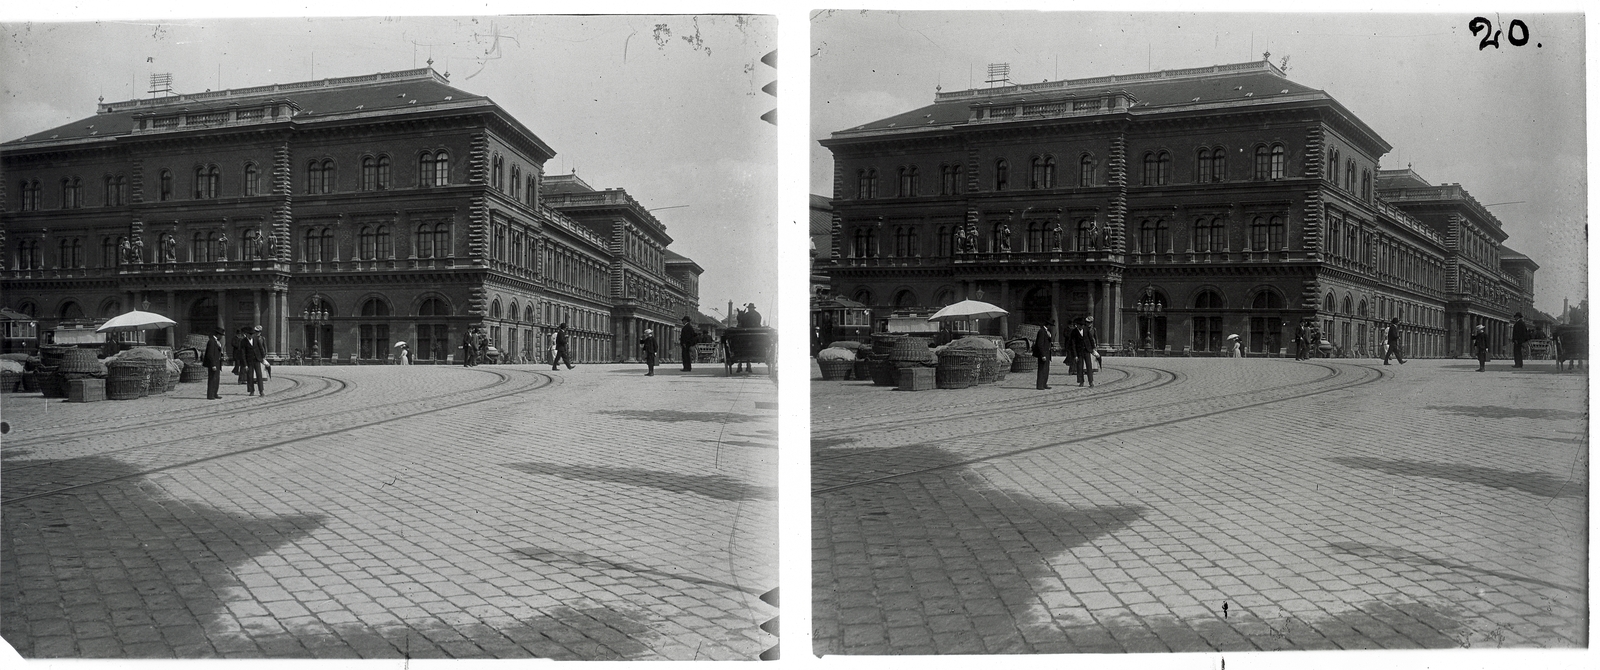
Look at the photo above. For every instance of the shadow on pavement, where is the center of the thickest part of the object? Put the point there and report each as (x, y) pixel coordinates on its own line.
(1409, 557)
(1496, 412)
(951, 565)
(1533, 483)
(122, 570)
(720, 487)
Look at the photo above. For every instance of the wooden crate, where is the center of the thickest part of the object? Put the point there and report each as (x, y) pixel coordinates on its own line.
(86, 390)
(917, 379)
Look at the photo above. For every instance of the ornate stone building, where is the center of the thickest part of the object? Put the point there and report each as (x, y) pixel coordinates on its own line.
(1176, 207)
(343, 215)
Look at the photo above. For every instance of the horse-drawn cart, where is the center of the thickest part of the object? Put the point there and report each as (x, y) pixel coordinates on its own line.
(750, 345)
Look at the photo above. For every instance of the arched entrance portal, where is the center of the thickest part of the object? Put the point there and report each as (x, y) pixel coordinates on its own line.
(1036, 305)
(202, 316)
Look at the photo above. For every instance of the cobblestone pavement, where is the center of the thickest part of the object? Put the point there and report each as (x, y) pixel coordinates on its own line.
(1327, 505)
(388, 512)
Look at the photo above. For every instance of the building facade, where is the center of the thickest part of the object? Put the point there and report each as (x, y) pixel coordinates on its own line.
(342, 215)
(1175, 207)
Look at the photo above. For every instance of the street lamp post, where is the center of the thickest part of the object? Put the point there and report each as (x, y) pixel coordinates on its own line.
(315, 317)
(1149, 308)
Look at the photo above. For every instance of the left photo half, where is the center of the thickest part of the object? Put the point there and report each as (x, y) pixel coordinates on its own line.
(389, 337)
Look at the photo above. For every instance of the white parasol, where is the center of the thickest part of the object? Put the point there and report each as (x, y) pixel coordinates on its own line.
(968, 309)
(401, 343)
(135, 320)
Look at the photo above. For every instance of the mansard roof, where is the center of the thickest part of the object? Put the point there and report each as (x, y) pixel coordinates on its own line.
(1234, 86)
(372, 95)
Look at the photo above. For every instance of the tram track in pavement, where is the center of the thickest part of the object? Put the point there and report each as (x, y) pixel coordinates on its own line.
(161, 418)
(545, 381)
(1334, 372)
(1054, 400)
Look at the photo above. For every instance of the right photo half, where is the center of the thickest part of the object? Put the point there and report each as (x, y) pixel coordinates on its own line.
(1147, 333)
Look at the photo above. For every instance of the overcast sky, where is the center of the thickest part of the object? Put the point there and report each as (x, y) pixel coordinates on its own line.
(672, 114)
(1508, 123)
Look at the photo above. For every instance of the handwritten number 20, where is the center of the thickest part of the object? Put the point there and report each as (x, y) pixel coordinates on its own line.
(1491, 36)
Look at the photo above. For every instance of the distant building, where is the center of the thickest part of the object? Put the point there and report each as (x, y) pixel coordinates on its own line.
(1176, 207)
(343, 215)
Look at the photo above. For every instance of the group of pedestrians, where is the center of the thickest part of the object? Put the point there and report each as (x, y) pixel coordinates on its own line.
(1078, 344)
(249, 353)
(474, 347)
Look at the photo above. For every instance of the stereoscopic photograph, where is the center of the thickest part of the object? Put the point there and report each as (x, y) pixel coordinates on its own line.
(1148, 332)
(389, 337)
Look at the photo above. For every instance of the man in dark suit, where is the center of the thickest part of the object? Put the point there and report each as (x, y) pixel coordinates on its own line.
(561, 355)
(1041, 351)
(1519, 337)
(213, 362)
(1080, 348)
(1394, 342)
(686, 339)
(252, 356)
(647, 345)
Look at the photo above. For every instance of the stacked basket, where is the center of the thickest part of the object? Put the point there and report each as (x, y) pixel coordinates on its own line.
(879, 366)
(907, 352)
(193, 371)
(836, 363)
(958, 368)
(77, 364)
(126, 380)
(1022, 359)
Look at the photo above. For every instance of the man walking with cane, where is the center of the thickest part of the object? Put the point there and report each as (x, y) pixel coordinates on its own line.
(1041, 351)
(560, 355)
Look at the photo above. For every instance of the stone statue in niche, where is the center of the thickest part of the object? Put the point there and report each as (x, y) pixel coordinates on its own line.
(222, 247)
(169, 248)
(1055, 237)
(125, 250)
(136, 252)
(1005, 237)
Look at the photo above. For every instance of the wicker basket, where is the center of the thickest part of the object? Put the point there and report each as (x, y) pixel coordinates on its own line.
(82, 360)
(836, 369)
(1024, 364)
(126, 380)
(50, 356)
(51, 384)
(10, 382)
(988, 367)
(884, 342)
(174, 372)
(30, 381)
(157, 383)
(958, 369)
(909, 349)
(193, 371)
(863, 369)
(884, 373)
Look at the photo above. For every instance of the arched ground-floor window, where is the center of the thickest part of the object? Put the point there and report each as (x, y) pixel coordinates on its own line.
(1266, 334)
(433, 342)
(374, 341)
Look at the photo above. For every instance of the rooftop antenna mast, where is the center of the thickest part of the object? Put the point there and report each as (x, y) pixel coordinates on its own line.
(999, 73)
(161, 83)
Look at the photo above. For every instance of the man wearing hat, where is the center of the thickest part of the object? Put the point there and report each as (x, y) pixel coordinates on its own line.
(252, 356)
(1519, 336)
(213, 362)
(1041, 351)
(1394, 342)
(686, 340)
(1480, 346)
(1080, 349)
(560, 355)
(648, 344)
